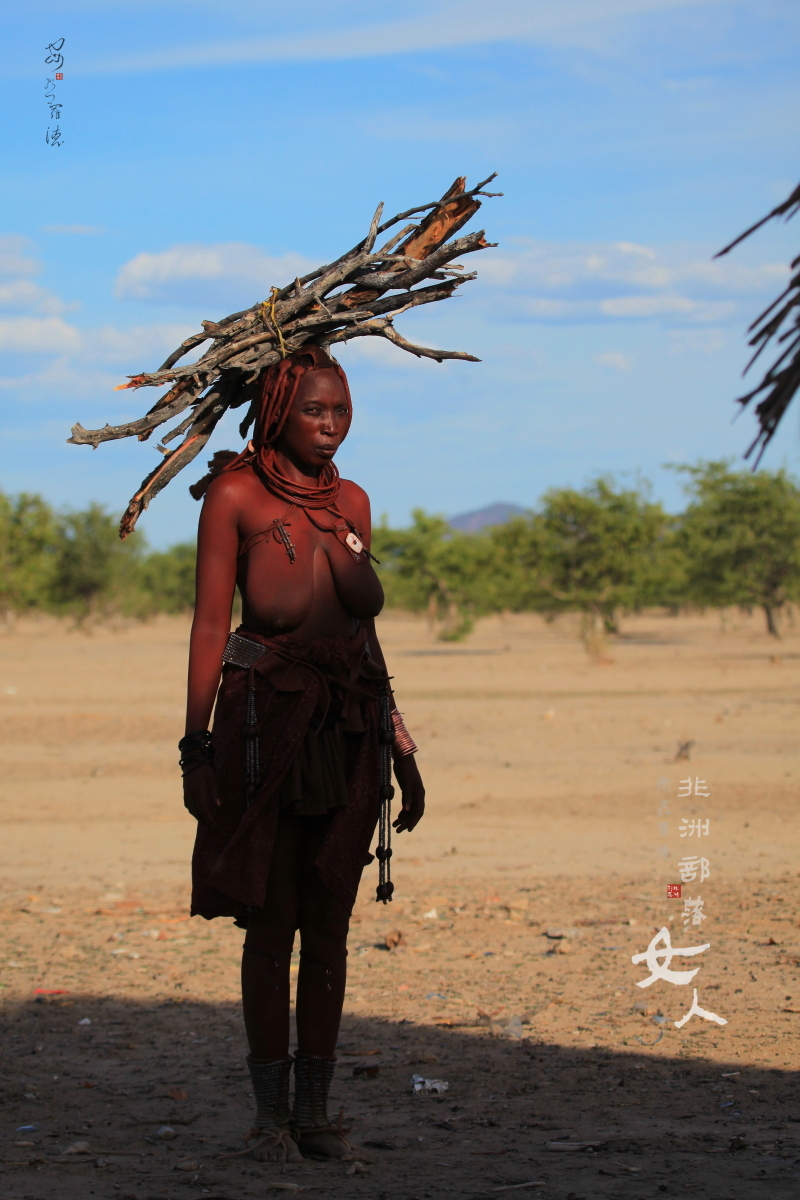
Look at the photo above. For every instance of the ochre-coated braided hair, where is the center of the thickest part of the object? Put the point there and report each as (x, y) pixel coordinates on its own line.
(281, 383)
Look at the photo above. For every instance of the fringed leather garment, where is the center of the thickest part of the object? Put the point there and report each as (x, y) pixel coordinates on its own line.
(295, 687)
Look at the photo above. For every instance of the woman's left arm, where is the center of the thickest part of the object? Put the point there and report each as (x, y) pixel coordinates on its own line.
(406, 771)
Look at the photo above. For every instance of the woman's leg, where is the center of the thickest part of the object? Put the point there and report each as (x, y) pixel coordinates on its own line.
(323, 922)
(268, 950)
(265, 998)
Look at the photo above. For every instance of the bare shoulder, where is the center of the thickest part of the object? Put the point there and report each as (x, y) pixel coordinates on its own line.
(353, 493)
(354, 501)
(232, 490)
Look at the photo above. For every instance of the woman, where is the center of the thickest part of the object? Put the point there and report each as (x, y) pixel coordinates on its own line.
(287, 788)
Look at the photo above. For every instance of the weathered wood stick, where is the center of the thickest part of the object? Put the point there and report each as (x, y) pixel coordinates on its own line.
(357, 295)
(145, 425)
(166, 470)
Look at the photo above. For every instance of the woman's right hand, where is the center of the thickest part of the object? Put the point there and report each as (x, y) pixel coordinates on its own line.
(200, 794)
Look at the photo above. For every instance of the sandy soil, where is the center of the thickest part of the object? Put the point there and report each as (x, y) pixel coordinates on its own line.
(546, 773)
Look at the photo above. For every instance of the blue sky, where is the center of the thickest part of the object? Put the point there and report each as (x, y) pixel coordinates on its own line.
(212, 150)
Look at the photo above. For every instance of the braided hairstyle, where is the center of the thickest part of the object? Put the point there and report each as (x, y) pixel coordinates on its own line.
(270, 412)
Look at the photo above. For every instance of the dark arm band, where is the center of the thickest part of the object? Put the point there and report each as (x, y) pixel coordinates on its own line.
(196, 751)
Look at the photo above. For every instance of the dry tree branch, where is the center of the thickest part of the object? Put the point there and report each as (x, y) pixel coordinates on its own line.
(357, 295)
(780, 382)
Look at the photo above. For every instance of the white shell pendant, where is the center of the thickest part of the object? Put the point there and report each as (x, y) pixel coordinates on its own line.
(354, 543)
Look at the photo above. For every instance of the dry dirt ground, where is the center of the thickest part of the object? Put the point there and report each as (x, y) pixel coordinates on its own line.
(549, 778)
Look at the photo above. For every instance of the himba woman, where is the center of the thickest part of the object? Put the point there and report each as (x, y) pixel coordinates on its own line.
(286, 787)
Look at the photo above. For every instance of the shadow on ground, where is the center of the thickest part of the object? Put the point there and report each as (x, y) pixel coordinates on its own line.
(656, 1125)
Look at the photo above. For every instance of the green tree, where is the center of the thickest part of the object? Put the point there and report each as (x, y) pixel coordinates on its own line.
(601, 551)
(432, 568)
(28, 543)
(166, 579)
(94, 572)
(741, 537)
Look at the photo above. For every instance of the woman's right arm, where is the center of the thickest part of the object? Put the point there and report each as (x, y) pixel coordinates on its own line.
(217, 548)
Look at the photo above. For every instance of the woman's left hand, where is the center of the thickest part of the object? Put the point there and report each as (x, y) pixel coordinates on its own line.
(406, 772)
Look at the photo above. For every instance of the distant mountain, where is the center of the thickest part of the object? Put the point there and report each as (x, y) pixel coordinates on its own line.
(493, 514)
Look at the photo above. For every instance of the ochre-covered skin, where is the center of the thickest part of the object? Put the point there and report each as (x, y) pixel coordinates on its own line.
(323, 593)
(274, 871)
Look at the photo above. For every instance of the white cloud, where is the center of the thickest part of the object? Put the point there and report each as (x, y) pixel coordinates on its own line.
(377, 351)
(42, 331)
(38, 335)
(440, 25)
(74, 229)
(556, 266)
(632, 248)
(620, 281)
(198, 273)
(61, 376)
(697, 341)
(12, 260)
(647, 306)
(137, 342)
(52, 335)
(22, 294)
(614, 359)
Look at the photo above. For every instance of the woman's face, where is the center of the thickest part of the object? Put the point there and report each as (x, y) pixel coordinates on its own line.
(318, 420)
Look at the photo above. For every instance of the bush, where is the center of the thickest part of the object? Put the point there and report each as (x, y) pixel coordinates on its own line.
(740, 537)
(28, 548)
(601, 551)
(166, 579)
(93, 572)
(74, 564)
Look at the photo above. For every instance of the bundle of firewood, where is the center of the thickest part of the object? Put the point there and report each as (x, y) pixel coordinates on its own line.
(782, 380)
(358, 295)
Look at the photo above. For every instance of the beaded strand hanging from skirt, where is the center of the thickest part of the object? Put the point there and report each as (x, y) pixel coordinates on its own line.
(244, 653)
(383, 852)
(250, 732)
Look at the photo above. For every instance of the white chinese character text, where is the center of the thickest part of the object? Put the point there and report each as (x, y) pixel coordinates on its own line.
(661, 970)
(688, 868)
(697, 826)
(693, 911)
(697, 1011)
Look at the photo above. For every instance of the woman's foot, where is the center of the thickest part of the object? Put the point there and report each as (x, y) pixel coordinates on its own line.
(317, 1137)
(330, 1144)
(271, 1130)
(274, 1145)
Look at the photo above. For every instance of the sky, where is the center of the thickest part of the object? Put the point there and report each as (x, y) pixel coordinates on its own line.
(210, 151)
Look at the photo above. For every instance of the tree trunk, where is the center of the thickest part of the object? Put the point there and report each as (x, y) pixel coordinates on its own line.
(771, 612)
(593, 636)
(433, 611)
